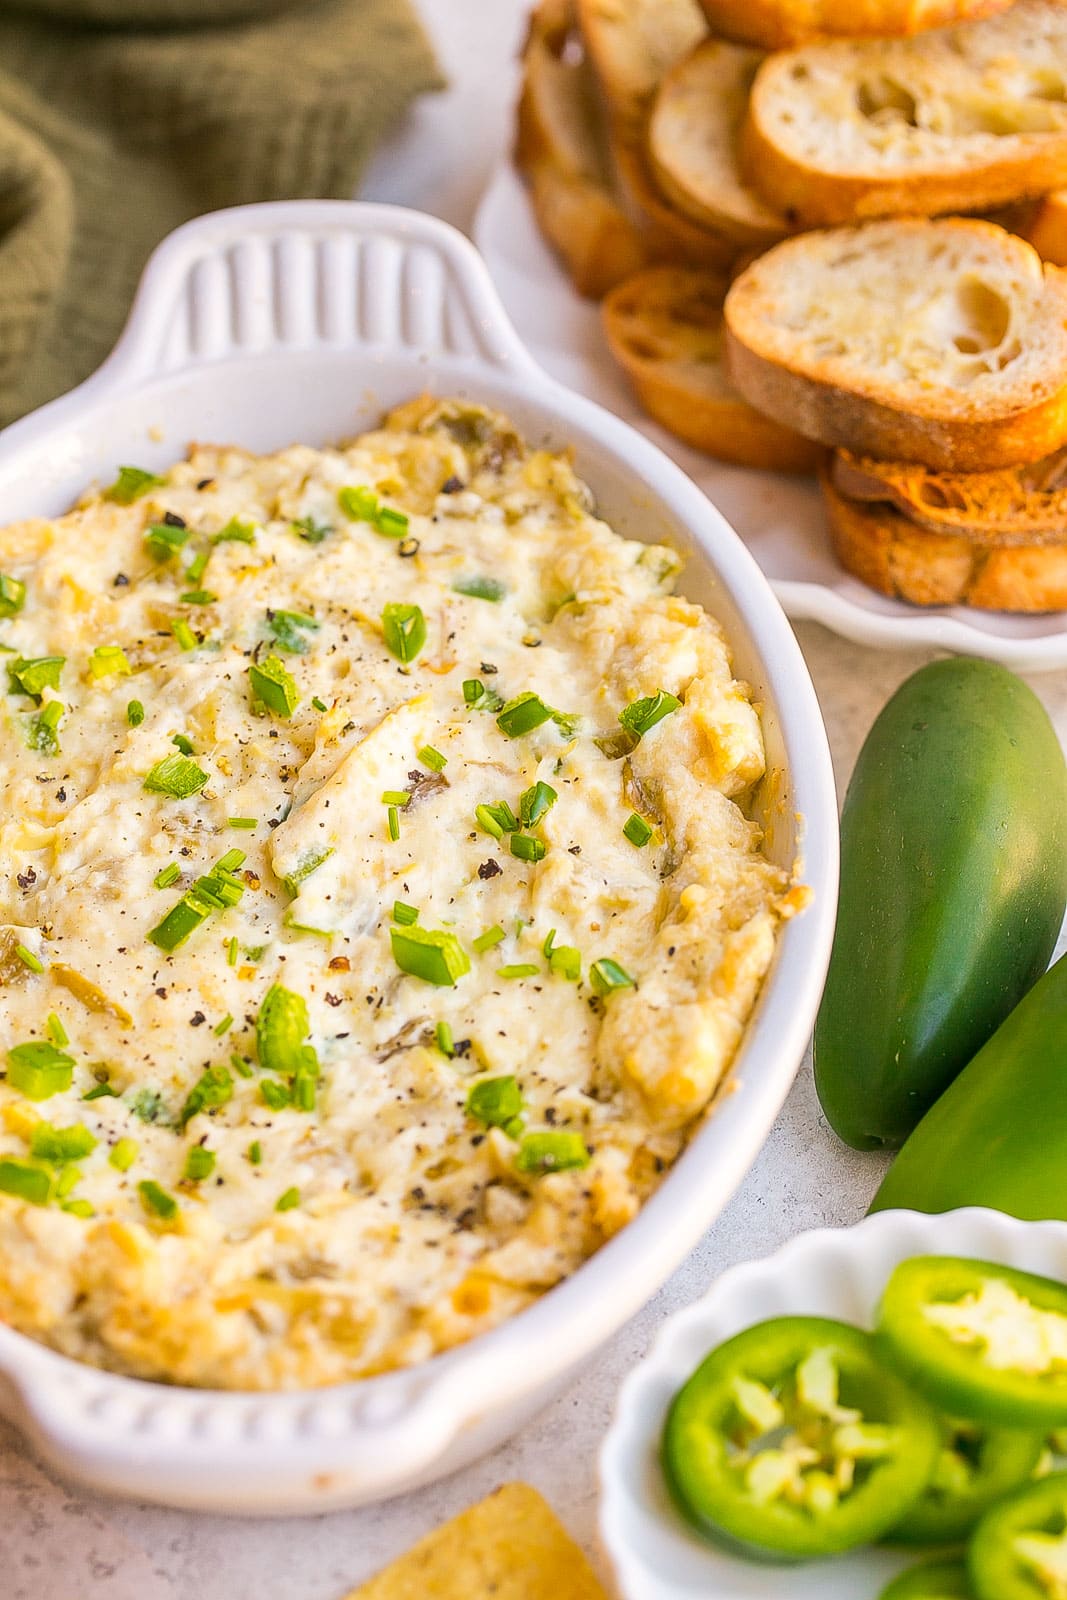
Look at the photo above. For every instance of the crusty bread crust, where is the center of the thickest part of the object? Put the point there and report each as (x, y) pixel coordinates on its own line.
(878, 545)
(667, 234)
(631, 44)
(664, 327)
(965, 119)
(941, 342)
(1046, 228)
(1024, 505)
(778, 24)
(693, 143)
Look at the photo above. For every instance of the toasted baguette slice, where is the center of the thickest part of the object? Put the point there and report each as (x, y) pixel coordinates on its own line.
(881, 547)
(693, 135)
(1046, 228)
(938, 342)
(664, 327)
(668, 235)
(559, 151)
(1024, 505)
(631, 44)
(777, 24)
(960, 120)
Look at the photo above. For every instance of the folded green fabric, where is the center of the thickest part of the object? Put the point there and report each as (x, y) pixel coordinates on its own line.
(120, 119)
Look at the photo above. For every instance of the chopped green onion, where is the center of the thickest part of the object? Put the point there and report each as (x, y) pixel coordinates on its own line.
(552, 1152)
(123, 1155)
(404, 628)
(361, 504)
(392, 524)
(12, 595)
(491, 936)
(224, 1026)
(536, 802)
(305, 867)
(239, 530)
(28, 959)
(320, 705)
(25, 1181)
(108, 660)
(496, 819)
(249, 824)
(272, 684)
(198, 597)
(404, 915)
(637, 830)
(135, 713)
(255, 1152)
(526, 848)
(199, 1163)
(164, 540)
(231, 952)
(57, 1145)
(177, 776)
(395, 797)
(56, 1031)
(131, 484)
(101, 1091)
(566, 962)
(38, 1070)
(185, 636)
(44, 728)
(392, 818)
(310, 531)
(435, 956)
(523, 714)
(641, 715)
(432, 758)
(606, 975)
(242, 1067)
(197, 566)
(218, 890)
(156, 1201)
(445, 1042)
(78, 1208)
(480, 588)
(287, 629)
(288, 1201)
(478, 697)
(495, 1101)
(33, 675)
(167, 875)
(275, 1095)
(213, 1088)
(520, 969)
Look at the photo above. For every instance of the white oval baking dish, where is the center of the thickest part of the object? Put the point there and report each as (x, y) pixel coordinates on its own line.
(298, 322)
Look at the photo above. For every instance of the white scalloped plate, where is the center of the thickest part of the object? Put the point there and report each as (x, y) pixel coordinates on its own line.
(828, 1273)
(780, 518)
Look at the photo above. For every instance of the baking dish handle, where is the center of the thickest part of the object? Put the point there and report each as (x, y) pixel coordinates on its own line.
(308, 274)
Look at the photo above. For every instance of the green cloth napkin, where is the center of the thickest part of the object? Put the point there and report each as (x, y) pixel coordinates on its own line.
(120, 119)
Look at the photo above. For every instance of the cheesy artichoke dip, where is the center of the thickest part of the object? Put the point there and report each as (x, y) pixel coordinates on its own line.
(378, 909)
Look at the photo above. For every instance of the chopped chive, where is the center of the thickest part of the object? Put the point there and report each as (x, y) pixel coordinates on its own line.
(58, 1145)
(305, 867)
(167, 875)
(32, 675)
(310, 531)
(182, 632)
(274, 686)
(199, 1163)
(28, 959)
(637, 830)
(536, 802)
(392, 817)
(78, 1208)
(101, 1091)
(38, 1070)
(198, 597)
(135, 713)
(606, 975)
(392, 524)
(550, 939)
(164, 540)
(480, 588)
(242, 1067)
(56, 1031)
(12, 595)
(108, 660)
(197, 566)
(404, 629)
(123, 1155)
(445, 1042)
(641, 715)
(358, 503)
(217, 890)
(177, 776)
(239, 530)
(552, 1152)
(231, 952)
(131, 484)
(566, 962)
(494, 1101)
(255, 1152)
(248, 823)
(526, 848)
(395, 797)
(404, 915)
(478, 698)
(224, 1026)
(519, 969)
(184, 745)
(213, 1088)
(287, 629)
(432, 758)
(491, 936)
(156, 1201)
(44, 728)
(275, 1095)
(496, 819)
(320, 705)
(25, 1181)
(435, 956)
(288, 1201)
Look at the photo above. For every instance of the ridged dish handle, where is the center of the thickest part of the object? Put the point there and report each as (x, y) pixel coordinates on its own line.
(306, 275)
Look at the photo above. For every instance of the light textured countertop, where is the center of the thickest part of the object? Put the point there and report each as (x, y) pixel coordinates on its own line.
(59, 1543)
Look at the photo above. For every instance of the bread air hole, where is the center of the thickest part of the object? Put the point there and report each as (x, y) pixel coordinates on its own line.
(882, 99)
(983, 318)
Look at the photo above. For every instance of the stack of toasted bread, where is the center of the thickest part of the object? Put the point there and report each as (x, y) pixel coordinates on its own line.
(759, 191)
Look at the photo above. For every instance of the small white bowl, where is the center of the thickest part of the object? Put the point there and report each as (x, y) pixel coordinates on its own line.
(830, 1273)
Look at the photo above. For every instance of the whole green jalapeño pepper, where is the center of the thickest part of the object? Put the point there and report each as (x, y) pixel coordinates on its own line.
(792, 1441)
(1019, 1549)
(933, 1580)
(979, 1340)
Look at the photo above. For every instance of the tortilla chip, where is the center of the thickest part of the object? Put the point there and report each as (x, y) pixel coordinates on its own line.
(510, 1546)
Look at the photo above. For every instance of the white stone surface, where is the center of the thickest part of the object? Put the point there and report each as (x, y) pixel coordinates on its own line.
(59, 1543)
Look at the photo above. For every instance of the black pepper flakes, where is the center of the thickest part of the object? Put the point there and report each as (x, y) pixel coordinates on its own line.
(332, 999)
(452, 485)
(197, 1019)
(26, 879)
(171, 519)
(490, 869)
(120, 580)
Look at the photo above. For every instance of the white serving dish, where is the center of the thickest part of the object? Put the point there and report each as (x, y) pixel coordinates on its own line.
(837, 1273)
(780, 518)
(277, 323)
